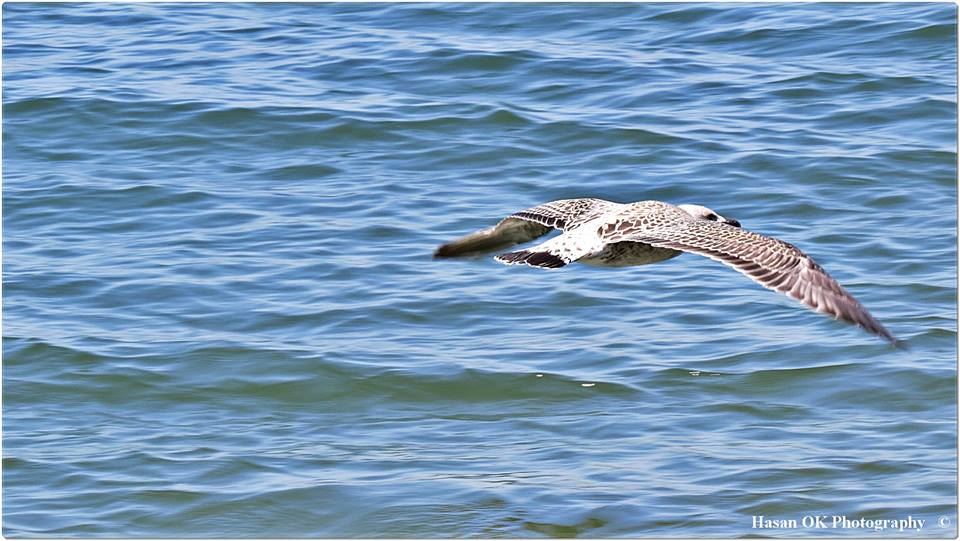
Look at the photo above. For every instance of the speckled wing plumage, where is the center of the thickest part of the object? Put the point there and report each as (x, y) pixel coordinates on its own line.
(567, 214)
(526, 225)
(772, 263)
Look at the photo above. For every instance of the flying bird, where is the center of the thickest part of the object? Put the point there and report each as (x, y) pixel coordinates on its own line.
(608, 234)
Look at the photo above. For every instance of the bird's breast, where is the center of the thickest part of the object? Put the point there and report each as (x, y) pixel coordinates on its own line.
(626, 254)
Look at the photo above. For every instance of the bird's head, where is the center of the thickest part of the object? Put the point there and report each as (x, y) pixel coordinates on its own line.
(703, 213)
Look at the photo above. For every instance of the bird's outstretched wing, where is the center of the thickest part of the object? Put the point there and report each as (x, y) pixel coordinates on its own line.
(526, 225)
(772, 263)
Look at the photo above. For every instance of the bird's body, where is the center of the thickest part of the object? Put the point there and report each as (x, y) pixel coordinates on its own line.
(628, 254)
(607, 234)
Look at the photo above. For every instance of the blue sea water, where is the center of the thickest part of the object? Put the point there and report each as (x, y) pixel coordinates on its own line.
(221, 316)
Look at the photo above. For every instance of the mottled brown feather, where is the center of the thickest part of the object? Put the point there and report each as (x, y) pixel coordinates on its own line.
(772, 263)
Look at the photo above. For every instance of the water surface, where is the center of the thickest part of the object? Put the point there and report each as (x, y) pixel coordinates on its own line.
(221, 316)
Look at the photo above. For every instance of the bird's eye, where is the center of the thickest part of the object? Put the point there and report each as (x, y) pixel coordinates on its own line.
(712, 217)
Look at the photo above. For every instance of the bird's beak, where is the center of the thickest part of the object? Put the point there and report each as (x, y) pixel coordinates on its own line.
(734, 223)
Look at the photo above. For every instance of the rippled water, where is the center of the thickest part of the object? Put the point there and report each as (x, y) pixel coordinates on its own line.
(221, 316)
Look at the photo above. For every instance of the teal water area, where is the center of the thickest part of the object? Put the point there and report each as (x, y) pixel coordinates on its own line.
(221, 316)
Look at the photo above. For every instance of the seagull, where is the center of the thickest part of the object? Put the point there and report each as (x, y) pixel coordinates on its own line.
(607, 234)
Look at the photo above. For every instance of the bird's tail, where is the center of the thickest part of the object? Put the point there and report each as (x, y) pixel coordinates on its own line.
(507, 233)
(476, 243)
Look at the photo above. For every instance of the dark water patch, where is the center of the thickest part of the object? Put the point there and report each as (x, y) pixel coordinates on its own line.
(821, 79)
(688, 15)
(473, 386)
(565, 531)
(931, 32)
(800, 93)
(761, 411)
(20, 351)
(452, 60)
(921, 155)
(301, 172)
(240, 117)
(891, 84)
(924, 109)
